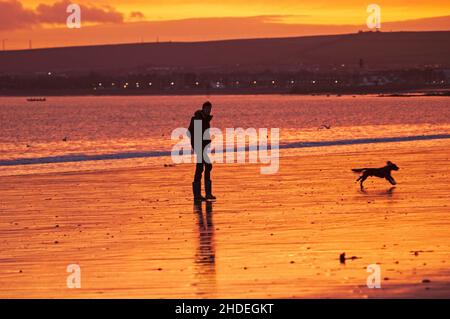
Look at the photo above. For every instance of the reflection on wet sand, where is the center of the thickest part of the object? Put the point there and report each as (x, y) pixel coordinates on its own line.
(389, 192)
(386, 193)
(135, 234)
(205, 257)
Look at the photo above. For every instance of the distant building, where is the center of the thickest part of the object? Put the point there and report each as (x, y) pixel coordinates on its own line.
(446, 74)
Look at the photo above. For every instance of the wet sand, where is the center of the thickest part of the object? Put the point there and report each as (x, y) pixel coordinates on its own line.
(136, 234)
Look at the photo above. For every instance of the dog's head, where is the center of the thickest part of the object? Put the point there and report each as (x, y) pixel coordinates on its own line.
(392, 166)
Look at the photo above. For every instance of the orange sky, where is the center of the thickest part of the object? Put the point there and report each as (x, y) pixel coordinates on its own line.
(113, 21)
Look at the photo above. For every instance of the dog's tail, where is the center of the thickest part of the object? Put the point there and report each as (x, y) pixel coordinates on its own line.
(358, 170)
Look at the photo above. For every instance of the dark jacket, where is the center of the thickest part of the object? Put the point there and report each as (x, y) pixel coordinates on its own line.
(206, 119)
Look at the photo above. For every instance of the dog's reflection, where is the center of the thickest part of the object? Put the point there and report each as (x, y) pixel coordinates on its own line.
(205, 258)
(388, 193)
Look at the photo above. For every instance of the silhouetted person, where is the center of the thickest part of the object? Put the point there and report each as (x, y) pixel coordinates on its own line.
(199, 144)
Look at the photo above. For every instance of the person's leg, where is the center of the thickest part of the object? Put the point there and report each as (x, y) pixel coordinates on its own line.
(198, 172)
(208, 168)
(208, 183)
(198, 165)
(197, 184)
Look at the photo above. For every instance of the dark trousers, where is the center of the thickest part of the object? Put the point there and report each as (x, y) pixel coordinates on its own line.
(206, 166)
(199, 168)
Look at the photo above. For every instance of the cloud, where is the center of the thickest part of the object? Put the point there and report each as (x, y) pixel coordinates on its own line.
(137, 16)
(14, 16)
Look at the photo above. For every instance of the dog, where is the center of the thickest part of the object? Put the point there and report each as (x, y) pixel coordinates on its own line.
(382, 172)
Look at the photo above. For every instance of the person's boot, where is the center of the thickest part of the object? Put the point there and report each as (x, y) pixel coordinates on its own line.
(208, 190)
(197, 190)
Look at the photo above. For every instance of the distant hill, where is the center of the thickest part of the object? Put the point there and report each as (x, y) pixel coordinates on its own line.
(384, 50)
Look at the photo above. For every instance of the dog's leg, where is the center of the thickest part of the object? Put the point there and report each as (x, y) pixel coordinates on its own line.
(363, 178)
(391, 180)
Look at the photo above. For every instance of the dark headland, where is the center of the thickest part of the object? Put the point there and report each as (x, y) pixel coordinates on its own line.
(365, 62)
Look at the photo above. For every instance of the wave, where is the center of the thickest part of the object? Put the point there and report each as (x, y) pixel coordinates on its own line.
(133, 155)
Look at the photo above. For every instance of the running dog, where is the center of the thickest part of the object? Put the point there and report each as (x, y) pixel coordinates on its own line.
(382, 172)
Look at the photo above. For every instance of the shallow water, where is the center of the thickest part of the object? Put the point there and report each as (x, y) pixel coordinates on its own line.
(85, 133)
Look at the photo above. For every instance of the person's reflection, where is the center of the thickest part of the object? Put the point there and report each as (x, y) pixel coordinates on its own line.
(206, 253)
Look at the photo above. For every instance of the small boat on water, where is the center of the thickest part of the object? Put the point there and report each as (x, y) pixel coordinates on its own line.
(36, 99)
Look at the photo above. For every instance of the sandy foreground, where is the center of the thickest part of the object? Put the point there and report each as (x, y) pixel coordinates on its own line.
(135, 233)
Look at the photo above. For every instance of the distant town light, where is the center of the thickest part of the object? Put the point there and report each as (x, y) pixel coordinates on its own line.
(314, 81)
(292, 81)
(49, 73)
(336, 81)
(254, 82)
(100, 84)
(196, 83)
(150, 84)
(172, 83)
(273, 82)
(113, 84)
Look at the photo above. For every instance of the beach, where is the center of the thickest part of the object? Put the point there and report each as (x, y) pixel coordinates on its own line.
(135, 232)
(216, 157)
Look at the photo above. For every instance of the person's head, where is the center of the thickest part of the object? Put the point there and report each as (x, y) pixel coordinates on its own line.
(207, 106)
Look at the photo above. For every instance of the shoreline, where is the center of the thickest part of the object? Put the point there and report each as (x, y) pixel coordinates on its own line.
(379, 93)
(74, 158)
